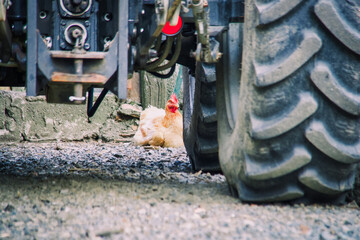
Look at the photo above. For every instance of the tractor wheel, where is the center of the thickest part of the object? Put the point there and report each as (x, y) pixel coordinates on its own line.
(200, 122)
(292, 130)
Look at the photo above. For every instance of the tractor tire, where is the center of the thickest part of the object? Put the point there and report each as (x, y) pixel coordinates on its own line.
(199, 116)
(292, 131)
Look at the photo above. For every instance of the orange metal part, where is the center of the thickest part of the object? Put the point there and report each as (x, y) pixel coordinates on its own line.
(92, 78)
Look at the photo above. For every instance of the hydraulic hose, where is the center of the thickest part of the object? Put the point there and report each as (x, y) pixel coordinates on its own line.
(168, 44)
(173, 58)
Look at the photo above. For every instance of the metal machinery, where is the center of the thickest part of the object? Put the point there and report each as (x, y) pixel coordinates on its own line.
(64, 48)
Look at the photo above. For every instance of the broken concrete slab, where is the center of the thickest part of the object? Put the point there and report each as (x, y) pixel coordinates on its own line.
(130, 110)
(32, 119)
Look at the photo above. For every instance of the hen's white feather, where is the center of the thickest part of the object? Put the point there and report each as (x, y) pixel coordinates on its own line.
(146, 127)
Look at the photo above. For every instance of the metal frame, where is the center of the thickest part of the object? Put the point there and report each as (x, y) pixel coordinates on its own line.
(123, 49)
(114, 66)
(31, 73)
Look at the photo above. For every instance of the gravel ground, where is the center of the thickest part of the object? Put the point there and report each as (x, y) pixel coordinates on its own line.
(119, 191)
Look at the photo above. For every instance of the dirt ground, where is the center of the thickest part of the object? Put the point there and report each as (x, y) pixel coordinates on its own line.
(119, 191)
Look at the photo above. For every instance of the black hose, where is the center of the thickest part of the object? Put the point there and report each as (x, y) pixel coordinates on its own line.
(168, 44)
(174, 58)
(166, 75)
(158, 44)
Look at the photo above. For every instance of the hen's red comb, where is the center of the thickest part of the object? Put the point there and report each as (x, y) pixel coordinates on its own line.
(174, 98)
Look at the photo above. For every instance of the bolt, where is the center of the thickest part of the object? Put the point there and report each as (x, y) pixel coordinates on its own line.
(106, 39)
(76, 33)
(134, 32)
(87, 46)
(107, 17)
(42, 15)
(87, 23)
(63, 23)
(153, 53)
(143, 12)
(218, 56)
(141, 30)
(62, 45)
(133, 51)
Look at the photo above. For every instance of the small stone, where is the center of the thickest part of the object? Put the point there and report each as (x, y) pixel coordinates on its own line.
(130, 110)
(45, 201)
(65, 235)
(9, 208)
(327, 236)
(304, 229)
(346, 222)
(19, 224)
(64, 191)
(5, 235)
(248, 223)
(18, 194)
(142, 211)
(201, 212)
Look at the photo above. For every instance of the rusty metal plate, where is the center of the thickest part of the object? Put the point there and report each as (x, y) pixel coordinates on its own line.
(71, 55)
(92, 78)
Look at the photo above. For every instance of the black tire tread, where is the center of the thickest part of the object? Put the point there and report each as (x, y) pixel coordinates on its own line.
(330, 86)
(318, 182)
(278, 71)
(201, 137)
(277, 125)
(271, 12)
(332, 19)
(282, 193)
(208, 114)
(257, 171)
(206, 146)
(319, 133)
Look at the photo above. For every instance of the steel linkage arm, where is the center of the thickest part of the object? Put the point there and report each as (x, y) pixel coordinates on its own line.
(207, 49)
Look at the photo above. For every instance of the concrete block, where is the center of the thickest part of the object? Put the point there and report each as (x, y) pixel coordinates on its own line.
(32, 119)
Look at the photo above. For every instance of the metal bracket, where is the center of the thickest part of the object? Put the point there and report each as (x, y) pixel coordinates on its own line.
(161, 10)
(123, 50)
(207, 49)
(91, 109)
(5, 34)
(32, 40)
